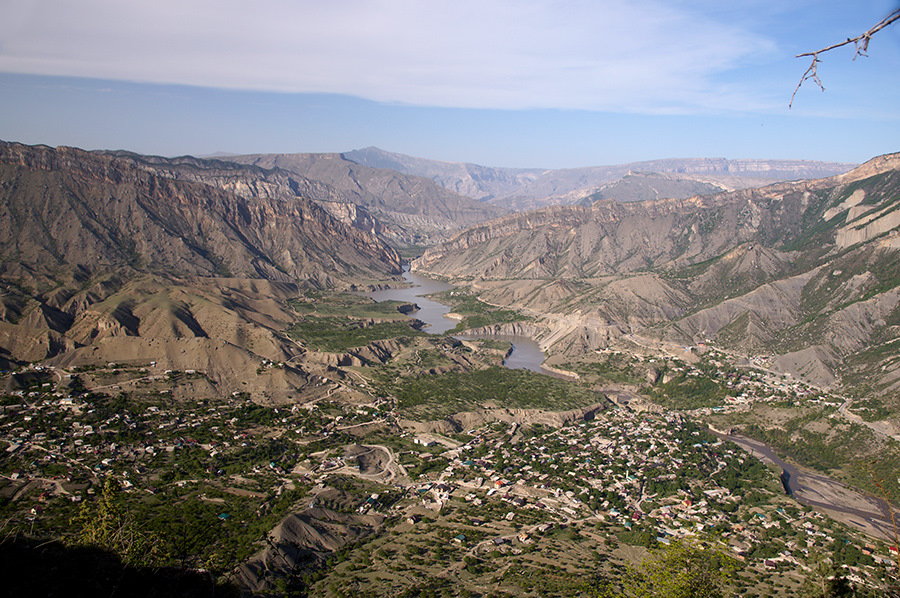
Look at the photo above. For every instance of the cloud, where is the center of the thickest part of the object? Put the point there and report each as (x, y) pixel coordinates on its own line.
(636, 56)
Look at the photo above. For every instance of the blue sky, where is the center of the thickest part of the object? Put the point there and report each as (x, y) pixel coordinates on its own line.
(530, 83)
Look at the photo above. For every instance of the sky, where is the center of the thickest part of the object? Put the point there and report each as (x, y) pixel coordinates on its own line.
(519, 83)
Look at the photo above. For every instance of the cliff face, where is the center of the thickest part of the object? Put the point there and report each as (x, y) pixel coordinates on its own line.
(190, 263)
(66, 208)
(780, 269)
(412, 209)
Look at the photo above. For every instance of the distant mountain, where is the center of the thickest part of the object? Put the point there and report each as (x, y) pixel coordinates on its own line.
(806, 272)
(530, 188)
(413, 209)
(478, 182)
(640, 186)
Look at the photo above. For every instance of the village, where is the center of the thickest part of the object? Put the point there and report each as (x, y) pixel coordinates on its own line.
(647, 478)
(657, 477)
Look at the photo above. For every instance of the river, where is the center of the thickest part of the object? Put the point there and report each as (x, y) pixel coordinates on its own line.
(525, 355)
(817, 491)
(431, 312)
(871, 515)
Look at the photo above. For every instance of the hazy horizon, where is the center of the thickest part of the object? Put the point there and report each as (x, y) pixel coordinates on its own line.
(517, 84)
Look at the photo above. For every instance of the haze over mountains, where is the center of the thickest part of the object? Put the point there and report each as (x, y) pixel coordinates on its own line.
(528, 188)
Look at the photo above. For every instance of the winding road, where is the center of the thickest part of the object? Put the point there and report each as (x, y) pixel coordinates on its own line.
(391, 470)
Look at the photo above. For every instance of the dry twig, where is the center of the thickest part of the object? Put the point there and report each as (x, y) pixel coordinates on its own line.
(870, 468)
(861, 42)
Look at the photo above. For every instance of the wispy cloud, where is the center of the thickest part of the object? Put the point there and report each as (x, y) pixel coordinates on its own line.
(635, 56)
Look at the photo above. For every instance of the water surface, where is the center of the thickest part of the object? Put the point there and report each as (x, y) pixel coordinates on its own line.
(431, 312)
(526, 354)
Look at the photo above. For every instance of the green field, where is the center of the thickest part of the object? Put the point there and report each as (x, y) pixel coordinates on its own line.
(436, 396)
(339, 334)
(476, 313)
(335, 322)
(324, 304)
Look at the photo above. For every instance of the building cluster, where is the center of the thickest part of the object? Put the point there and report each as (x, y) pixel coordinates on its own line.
(657, 477)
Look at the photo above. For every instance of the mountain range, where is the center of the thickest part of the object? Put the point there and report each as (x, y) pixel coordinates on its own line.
(187, 262)
(804, 273)
(194, 371)
(115, 253)
(528, 188)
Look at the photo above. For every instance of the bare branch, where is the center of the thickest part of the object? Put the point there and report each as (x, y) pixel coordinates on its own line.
(880, 485)
(861, 42)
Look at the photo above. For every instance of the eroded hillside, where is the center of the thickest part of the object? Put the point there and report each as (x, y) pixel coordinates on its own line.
(414, 209)
(805, 273)
(186, 262)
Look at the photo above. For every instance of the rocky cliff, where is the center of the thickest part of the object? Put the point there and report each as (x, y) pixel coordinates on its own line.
(780, 269)
(190, 263)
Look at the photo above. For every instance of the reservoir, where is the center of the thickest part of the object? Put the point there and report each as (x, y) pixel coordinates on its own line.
(526, 354)
(430, 312)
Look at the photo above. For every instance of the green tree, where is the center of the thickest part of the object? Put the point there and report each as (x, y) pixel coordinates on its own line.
(681, 570)
(110, 526)
(824, 581)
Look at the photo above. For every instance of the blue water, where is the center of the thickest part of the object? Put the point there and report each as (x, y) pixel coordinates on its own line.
(526, 353)
(430, 312)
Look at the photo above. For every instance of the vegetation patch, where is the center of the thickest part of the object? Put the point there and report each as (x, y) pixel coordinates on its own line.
(436, 396)
(339, 334)
(612, 367)
(347, 305)
(687, 392)
(475, 312)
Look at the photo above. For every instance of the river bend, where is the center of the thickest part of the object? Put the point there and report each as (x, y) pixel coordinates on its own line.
(526, 353)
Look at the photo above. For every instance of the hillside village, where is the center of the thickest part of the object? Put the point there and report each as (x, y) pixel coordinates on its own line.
(647, 478)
